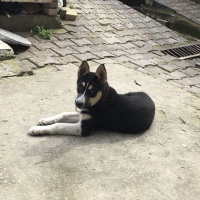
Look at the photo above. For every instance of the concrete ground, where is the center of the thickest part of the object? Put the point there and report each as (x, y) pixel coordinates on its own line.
(162, 163)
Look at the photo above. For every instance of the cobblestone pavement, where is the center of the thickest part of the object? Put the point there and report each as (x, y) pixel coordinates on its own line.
(187, 8)
(112, 32)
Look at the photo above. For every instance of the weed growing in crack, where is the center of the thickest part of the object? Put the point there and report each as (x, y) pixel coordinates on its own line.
(43, 33)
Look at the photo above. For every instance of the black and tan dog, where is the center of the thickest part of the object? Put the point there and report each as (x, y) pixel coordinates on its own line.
(101, 107)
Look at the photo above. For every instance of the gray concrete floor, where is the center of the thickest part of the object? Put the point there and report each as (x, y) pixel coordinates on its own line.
(162, 163)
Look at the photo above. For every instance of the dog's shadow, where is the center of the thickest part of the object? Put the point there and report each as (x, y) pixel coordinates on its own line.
(55, 146)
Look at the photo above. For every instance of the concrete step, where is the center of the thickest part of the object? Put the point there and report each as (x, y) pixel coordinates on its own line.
(68, 14)
(19, 23)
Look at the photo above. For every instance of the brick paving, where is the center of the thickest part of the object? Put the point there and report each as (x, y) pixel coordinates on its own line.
(111, 32)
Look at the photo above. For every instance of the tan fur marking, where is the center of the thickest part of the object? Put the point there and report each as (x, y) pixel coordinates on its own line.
(94, 100)
(83, 84)
(90, 87)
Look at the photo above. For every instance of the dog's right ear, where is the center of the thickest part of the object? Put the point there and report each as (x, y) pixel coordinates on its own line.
(83, 69)
(101, 73)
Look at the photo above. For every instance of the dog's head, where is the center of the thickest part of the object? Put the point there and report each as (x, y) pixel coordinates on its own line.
(91, 87)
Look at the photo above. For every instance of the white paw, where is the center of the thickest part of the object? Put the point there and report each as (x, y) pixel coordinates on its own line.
(36, 130)
(46, 121)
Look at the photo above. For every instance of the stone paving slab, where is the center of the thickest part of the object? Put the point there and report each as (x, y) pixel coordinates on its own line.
(112, 32)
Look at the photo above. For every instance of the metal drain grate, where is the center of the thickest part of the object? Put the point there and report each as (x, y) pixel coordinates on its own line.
(184, 52)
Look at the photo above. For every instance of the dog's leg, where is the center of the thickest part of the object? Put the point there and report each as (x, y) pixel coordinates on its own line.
(57, 129)
(65, 117)
(78, 128)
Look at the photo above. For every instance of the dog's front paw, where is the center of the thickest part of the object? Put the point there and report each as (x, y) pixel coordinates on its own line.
(46, 121)
(36, 130)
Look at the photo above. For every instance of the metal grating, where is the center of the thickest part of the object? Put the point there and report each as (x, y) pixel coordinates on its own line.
(184, 52)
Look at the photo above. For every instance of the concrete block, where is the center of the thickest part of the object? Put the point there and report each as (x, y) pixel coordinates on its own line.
(51, 5)
(49, 11)
(32, 7)
(71, 15)
(29, 22)
(62, 13)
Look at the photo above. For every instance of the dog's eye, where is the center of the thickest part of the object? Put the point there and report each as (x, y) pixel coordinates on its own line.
(92, 91)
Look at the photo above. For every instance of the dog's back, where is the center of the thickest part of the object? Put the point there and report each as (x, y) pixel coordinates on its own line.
(126, 113)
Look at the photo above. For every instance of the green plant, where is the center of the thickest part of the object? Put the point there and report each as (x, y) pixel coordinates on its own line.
(102, 24)
(72, 7)
(44, 33)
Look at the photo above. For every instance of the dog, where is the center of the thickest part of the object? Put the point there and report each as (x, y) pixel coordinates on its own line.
(100, 107)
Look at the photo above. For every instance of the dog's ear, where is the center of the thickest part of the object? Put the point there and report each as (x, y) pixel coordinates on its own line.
(83, 69)
(101, 73)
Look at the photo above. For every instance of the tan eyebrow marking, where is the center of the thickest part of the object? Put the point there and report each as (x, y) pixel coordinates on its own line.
(94, 100)
(83, 84)
(90, 87)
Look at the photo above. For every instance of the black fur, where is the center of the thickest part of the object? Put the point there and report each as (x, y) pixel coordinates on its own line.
(125, 113)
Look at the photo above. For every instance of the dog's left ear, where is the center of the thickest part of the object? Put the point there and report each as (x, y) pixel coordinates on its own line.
(83, 69)
(101, 73)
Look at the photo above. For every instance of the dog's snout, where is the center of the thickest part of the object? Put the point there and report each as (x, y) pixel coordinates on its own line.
(80, 102)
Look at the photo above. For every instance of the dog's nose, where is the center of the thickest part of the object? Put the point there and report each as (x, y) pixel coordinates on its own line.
(79, 103)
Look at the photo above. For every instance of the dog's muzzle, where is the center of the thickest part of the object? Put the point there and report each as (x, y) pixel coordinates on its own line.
(80, 101)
